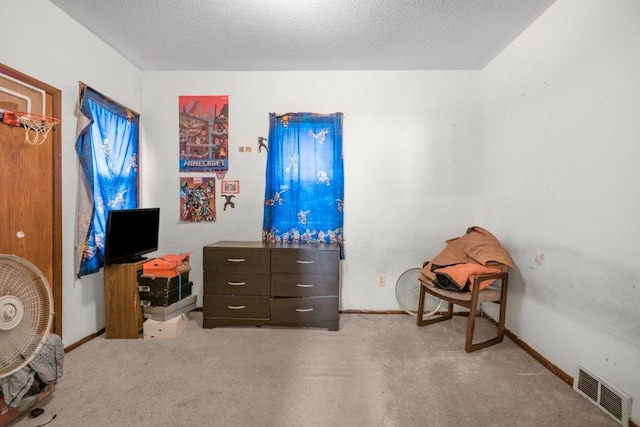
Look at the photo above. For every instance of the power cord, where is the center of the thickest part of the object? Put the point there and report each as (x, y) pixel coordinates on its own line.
(52, 418)
(39, 411)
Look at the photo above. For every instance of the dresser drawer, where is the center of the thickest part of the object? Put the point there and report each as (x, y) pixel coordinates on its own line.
(224, 283)
(236, 307)
(303, 285)
(287, 310)
(236, 260)
(302, 261)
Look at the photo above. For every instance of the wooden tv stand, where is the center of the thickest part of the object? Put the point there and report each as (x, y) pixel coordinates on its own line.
(122, 311)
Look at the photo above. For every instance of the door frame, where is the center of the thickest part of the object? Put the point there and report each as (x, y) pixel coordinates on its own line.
(56, 168)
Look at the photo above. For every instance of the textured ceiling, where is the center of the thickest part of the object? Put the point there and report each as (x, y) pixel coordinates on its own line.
(306, 34)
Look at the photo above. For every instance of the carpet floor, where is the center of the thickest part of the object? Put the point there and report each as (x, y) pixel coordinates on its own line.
(377, 370)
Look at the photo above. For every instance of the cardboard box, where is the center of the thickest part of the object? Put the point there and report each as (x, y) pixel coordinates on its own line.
(163, 314)
(167, 265)
(169, 329)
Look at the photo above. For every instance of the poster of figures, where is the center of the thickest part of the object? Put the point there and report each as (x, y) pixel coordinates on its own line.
(204, 133)
(197, 199)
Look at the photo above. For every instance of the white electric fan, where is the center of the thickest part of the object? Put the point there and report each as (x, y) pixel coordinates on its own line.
(408, 295)
(26, 312)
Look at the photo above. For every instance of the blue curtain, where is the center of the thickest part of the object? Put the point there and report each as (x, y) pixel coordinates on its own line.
(304, 191)
(107, 147)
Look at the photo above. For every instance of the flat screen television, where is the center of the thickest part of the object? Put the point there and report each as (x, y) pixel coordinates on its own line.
(130, 234)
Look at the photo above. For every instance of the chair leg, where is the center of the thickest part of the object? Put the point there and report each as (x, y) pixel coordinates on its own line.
(503, 306)
(420, 321)
(469, 346)
(471, 325)
(420, 304)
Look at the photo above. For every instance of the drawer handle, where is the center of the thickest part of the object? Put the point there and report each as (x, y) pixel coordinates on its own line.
(300, 285)
(235, 259)
(304, 309)
(236, 283)
(304, 262)
(236, 307)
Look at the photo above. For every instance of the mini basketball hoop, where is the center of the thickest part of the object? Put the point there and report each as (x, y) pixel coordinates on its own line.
(37, 126)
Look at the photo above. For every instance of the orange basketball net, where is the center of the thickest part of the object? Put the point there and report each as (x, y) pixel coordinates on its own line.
(37, 126)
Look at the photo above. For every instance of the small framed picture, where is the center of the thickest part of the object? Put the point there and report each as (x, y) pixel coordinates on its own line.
(230, 187)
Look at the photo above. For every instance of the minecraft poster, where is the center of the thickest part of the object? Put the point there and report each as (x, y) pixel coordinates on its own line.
(204, 131)
(197, 199)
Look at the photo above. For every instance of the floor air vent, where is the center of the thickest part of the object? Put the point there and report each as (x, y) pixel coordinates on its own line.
(603, 394)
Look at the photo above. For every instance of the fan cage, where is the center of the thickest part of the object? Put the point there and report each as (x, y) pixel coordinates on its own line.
(408, 295)
(23, 280)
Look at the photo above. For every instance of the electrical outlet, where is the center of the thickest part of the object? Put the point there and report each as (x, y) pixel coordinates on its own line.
(382, 280)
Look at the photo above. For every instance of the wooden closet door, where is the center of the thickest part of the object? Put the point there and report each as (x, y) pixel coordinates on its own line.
(30, 198)
(26, 202)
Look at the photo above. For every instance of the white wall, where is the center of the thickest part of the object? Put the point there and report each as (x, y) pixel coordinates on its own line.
(39, 40)
(410, 144)
(561, 145)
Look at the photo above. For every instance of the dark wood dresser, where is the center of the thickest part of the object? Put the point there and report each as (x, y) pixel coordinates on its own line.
(287, 284)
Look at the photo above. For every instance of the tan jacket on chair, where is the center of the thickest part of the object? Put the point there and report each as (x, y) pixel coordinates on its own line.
(477, 246)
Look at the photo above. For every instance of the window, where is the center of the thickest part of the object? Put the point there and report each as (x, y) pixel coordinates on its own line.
(304, 191)
(107, 147)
